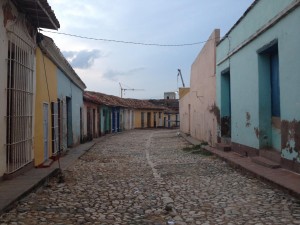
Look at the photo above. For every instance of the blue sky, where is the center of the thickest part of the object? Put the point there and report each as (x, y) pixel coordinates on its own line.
(103, 65)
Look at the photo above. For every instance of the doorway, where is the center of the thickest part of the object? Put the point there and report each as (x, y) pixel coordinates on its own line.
(149, 119)
(46, 129)
(225, 104)
(142, 119)
(269, 97)
(69, 122)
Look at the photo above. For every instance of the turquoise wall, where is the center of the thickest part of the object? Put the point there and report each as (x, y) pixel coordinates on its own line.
(249, 91)
(66, 88)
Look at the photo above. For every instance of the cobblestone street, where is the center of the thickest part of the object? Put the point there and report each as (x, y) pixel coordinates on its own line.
(145, 177)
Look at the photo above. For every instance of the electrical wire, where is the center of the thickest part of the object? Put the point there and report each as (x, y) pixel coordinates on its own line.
(126, 42)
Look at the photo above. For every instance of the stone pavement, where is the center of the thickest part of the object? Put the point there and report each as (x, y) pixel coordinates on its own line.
(152, 177)
(284, 179)
(11, 191)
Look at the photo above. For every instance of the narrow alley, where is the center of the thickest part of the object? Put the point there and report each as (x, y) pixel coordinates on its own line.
(151, 177)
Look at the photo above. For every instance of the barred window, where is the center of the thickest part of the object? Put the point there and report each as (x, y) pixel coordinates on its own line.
(20, 70)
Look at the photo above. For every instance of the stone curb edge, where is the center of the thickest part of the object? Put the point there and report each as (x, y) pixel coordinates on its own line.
(31, 189)
(244, 170)
(40, 183)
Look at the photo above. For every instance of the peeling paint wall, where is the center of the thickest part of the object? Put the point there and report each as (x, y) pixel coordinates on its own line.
(199, 114)
(10, 20)
(251, 116)
(290, 140)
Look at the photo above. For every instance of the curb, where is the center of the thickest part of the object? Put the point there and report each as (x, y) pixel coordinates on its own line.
(245, 170)
(248, 172)
(33, 188)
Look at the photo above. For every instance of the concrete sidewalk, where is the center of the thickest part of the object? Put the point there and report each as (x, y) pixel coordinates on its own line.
(11, 191)
(282, 178)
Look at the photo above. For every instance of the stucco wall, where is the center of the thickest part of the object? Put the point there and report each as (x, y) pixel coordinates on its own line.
(184, 114)
(46, 92)
(95, 120)
(248, 110)
(201, 121)
(3, 82)
(13, 21)
(66, 88)
(138, 119)
(127, 119)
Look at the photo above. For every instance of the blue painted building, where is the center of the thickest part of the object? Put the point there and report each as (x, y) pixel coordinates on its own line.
(115, 120)
(70, 100)
(70, 95)
(257, 82)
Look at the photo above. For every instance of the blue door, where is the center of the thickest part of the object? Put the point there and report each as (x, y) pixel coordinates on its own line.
(275, 101)
(275, 91)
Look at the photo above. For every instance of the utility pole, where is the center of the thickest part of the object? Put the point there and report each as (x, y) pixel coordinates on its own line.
(179, 74)
(128, 89)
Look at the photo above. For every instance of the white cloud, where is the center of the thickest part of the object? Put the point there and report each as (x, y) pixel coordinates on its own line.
(155, 21)
(83, 59)
(112, 74)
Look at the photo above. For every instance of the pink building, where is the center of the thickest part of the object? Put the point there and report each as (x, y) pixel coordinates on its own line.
(199, 115)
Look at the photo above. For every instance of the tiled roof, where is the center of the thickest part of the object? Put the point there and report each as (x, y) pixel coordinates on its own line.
(170, 103)
(48, 47)
(39, 12)
(110, 100)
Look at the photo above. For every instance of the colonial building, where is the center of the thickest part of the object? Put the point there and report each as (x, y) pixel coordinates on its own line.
(56, 119)
(19, 23)
(257, 82)
(119, 114)
(198, 111)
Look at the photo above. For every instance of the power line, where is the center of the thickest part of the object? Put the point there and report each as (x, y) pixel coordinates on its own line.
(126, 42)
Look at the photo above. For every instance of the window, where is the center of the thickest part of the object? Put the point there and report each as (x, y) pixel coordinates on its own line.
(20, 70)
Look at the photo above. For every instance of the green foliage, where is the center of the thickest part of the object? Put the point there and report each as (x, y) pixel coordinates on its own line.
(197, 149)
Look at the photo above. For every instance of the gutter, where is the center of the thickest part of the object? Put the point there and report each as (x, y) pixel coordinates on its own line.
(263, 29)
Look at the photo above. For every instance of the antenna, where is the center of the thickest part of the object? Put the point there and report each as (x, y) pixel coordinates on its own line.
(127, 89)
(179, 74)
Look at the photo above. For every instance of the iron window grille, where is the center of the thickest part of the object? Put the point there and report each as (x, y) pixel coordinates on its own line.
(19, 120)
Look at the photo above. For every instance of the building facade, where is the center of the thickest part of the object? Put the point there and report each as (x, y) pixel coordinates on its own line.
(198, 111)
(18, 65)
(46, 119)
(69, 96)
(257, 79)
(90, 121)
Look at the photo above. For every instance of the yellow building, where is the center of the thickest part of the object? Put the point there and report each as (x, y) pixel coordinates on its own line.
(170, 116)
(149, 118)
(46, 109)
